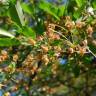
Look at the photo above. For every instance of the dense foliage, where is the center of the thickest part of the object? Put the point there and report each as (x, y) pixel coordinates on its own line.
(47, 47)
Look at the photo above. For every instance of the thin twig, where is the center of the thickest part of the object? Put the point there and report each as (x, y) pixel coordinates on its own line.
(91, 52)
(62, 36)
(60, 27)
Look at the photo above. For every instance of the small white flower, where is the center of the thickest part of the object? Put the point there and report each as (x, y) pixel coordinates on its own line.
(90, 10)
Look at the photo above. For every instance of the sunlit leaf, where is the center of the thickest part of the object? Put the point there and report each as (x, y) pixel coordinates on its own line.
(49, 8)
(61, 10)
(28, 32)
(16, 14)
(8, 42)
(5, 33)
(28, 9)
(20, 12)
(94, 4)
(79, 2)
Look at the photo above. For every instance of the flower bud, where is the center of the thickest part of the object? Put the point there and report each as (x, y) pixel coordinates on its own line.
(94, 42)
(68, 18)
(84, 43)
(15, 57)
(4, 52)
(69, 24)
(89, 30)
(70, 50)
(32, 42)
(45, 59)
(56, 36)
(51, 26)
(82, 51)
(40, 38)
(44, 48)
(79, 25)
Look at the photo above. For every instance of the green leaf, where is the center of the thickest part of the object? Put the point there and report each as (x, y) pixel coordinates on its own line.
(77, 14)
(13, 1)
(16, 14)
(5, 33)
(87, 59)
(56, 42)
(61, 10)
(8, 42)
(28, 32)
(20, 12)
(40, 28)
(94, 4)
(79, 3)
(51, 52)
(12, 65)
(26, 8)
(49, 8)
(76, 70)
